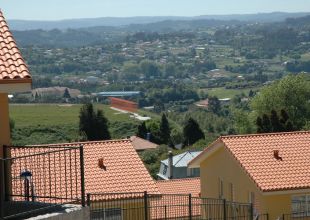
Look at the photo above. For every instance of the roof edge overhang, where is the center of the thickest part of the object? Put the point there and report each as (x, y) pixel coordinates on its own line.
(286, 191)
(214, 147)
(15, 85)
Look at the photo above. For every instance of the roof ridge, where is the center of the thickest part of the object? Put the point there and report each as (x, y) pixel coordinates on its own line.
(263, 134)
(83, 142)
(181, 179)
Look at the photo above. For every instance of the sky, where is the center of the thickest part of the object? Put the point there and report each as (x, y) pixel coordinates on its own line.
(68, 9)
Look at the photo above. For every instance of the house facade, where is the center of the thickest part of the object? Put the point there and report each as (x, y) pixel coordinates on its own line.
(14, 77)
(268, 170)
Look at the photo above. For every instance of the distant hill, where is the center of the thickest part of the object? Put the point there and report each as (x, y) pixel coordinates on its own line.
(116, 22)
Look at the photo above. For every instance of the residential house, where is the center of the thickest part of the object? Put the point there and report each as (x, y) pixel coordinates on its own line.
(14, 77)
(176, 167)
(174, 201)
(269, 170)
(180, 186)
(112, 171)
(141, 144)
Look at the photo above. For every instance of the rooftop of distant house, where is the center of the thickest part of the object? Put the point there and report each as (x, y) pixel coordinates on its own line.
(180, 186)
(141, 144)
(182, 160)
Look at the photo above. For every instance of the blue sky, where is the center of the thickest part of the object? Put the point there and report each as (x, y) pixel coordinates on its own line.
(64, 9)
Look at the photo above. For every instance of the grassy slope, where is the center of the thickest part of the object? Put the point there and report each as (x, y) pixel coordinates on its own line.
(54, 123)
(227, 93)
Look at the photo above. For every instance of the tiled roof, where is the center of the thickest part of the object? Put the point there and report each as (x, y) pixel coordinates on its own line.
(142, 144)
(124, 171)
(180, 186)
(182, 160)
(256, 155)
(175, 198)
(12, 66)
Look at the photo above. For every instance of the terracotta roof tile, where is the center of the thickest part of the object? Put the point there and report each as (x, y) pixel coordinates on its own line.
(173, 204)
(180, 186)
(12, 65)
(125, 172)
(255, 153)
(142, 144)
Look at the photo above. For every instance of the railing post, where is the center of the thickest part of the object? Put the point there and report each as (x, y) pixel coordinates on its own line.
(251, 211)
(267, 216)
(224, 210)
(7, 181)
(283, 217)
(82, 175)
(88, 200)
(2, 188)
(190, 206)
(145, 206)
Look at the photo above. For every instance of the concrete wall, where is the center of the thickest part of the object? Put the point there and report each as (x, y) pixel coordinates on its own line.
(71, 212)
(222, 166)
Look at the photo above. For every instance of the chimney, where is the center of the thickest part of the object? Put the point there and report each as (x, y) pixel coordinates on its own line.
(277, 155)
(170, 165)
(101, 164)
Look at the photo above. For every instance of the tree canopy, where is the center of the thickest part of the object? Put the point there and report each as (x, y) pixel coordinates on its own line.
(192, 132)
(290, 94)
(93, 125)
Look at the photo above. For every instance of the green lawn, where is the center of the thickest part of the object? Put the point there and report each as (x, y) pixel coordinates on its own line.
(227, 93)
(55, 114)
(57, 123)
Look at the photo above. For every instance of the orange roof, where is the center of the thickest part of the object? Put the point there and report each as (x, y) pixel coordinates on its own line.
(180, 186)
(12, 66)
(175, 198)
(142, 144)
(124, 171)
(255, 154)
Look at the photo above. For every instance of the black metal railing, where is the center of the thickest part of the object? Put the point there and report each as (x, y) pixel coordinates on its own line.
(297, 216)
(143, 206)
(40, 179)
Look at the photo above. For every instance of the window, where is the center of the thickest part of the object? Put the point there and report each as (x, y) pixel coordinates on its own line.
(107, 214)
(301, 205)
(221, 190)
(165, 169)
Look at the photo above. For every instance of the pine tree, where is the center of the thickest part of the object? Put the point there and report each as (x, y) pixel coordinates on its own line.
(275, 122)
(192, 132)
(266, 125)
(164, 130)
(142, 130)
(93, 125)
(101, 126)
(67, 94)
(214, 104)
(259, 124)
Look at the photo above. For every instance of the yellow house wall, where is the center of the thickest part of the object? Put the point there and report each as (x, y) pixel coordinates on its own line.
(222, 165)
(5, 138)
(130, 209)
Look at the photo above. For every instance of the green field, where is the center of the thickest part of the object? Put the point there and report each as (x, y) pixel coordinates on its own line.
(56, 114)
(222, 93)
(55, 123)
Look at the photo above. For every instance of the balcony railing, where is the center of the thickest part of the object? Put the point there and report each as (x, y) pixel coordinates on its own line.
(40, 179)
